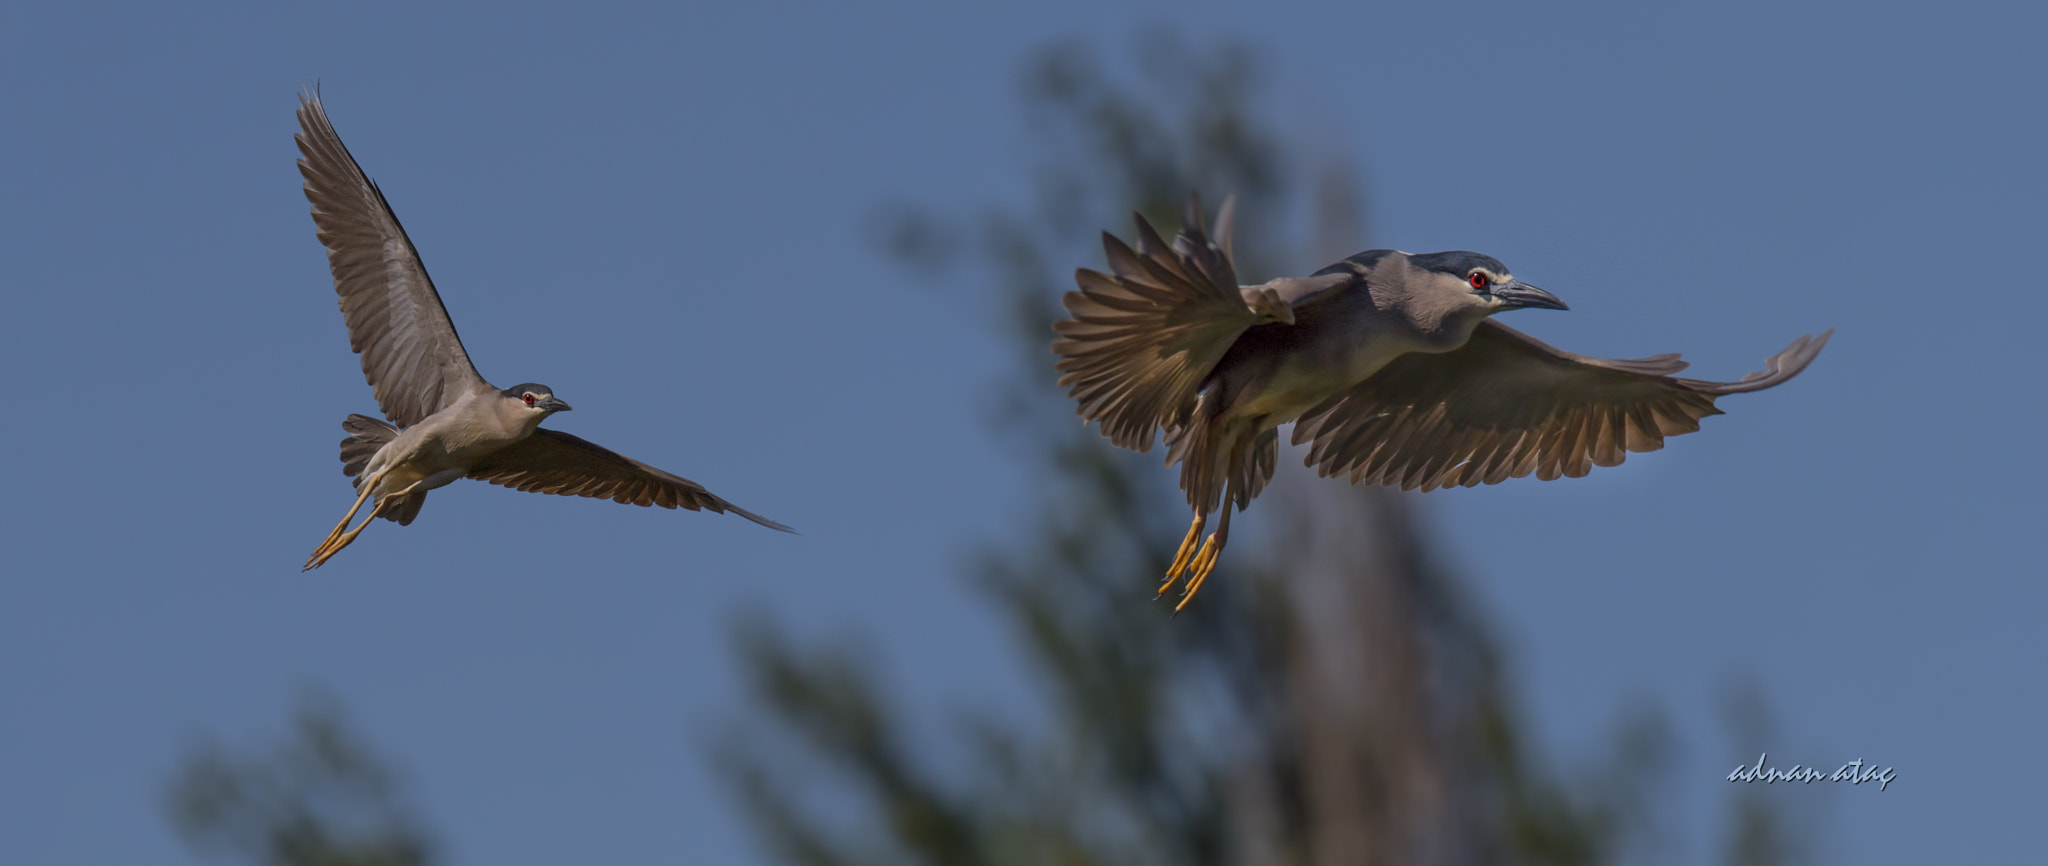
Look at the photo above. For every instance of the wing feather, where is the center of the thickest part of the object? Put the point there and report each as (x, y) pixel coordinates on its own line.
(1140, 339)
(411, 355)
(551, 461)
(1506, 405)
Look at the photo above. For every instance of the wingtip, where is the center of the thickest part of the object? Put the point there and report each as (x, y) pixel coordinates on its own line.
(1226, 222)
(1806, 348)
(771, 524)
(1778, 369)
(1113, 246)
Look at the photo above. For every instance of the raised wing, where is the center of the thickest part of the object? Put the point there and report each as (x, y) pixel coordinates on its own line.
(551, 461)
(1506, 405)
(1140, 339)
(414, 361)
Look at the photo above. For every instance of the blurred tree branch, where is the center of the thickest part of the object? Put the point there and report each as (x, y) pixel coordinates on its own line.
(321, 798)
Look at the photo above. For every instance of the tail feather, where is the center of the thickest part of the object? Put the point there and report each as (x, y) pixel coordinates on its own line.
(1216, 460)
(366, 436)
(1256, 469)
(1201, 448)
(404, 510)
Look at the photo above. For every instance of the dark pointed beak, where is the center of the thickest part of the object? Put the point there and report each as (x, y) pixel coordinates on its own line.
(554, 404)
(1520, 294)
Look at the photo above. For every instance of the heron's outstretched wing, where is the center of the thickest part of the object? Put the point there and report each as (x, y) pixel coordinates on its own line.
(1507, 405)
(1140, 339)
(411, 355)
(551, 461)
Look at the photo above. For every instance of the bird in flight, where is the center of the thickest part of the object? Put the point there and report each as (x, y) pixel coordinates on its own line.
(1388, 364)
(446, 422)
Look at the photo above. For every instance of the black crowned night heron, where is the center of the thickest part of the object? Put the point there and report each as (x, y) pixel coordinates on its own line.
(446, 421)
(1387, 363)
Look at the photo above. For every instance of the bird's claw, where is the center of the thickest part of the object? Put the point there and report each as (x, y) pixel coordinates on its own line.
(1199, 570)
(1185, 556)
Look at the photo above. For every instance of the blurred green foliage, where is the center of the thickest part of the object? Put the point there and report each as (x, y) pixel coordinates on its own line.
(320, 798)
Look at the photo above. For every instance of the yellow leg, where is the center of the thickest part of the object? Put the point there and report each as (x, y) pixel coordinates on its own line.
(368, 485)
(334, 544)
(327, 551)
(1198, 563)
(1205, 561)
(1186, 553)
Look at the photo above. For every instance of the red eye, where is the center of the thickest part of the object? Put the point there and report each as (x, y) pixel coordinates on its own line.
(1478, 280)
(529, 399)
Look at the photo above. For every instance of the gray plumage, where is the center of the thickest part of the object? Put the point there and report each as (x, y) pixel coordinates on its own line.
(1387, 364)
(446, 422)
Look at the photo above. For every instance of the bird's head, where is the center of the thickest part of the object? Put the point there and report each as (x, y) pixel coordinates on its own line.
(533, 400)
(1479, 283)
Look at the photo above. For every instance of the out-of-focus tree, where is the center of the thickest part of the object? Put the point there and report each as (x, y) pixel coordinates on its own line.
(1760, 830)
(320, 798)
(1330, 699)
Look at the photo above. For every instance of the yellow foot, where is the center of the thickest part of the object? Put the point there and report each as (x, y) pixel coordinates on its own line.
(1185, 555)
(321, 554)
(338, 530)
(1199, 570)
(334, 544)
(1171, 579)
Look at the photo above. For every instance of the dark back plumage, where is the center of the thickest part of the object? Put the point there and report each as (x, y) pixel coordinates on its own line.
(1357, 264)
(524, 387)
(1457, 263)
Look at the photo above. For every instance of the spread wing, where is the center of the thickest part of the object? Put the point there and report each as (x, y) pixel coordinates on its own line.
(551, 461)
(1141, 338)
(1507, 405)
(411, 355)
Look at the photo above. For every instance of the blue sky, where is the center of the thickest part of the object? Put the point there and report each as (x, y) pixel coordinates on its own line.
(668, 214)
